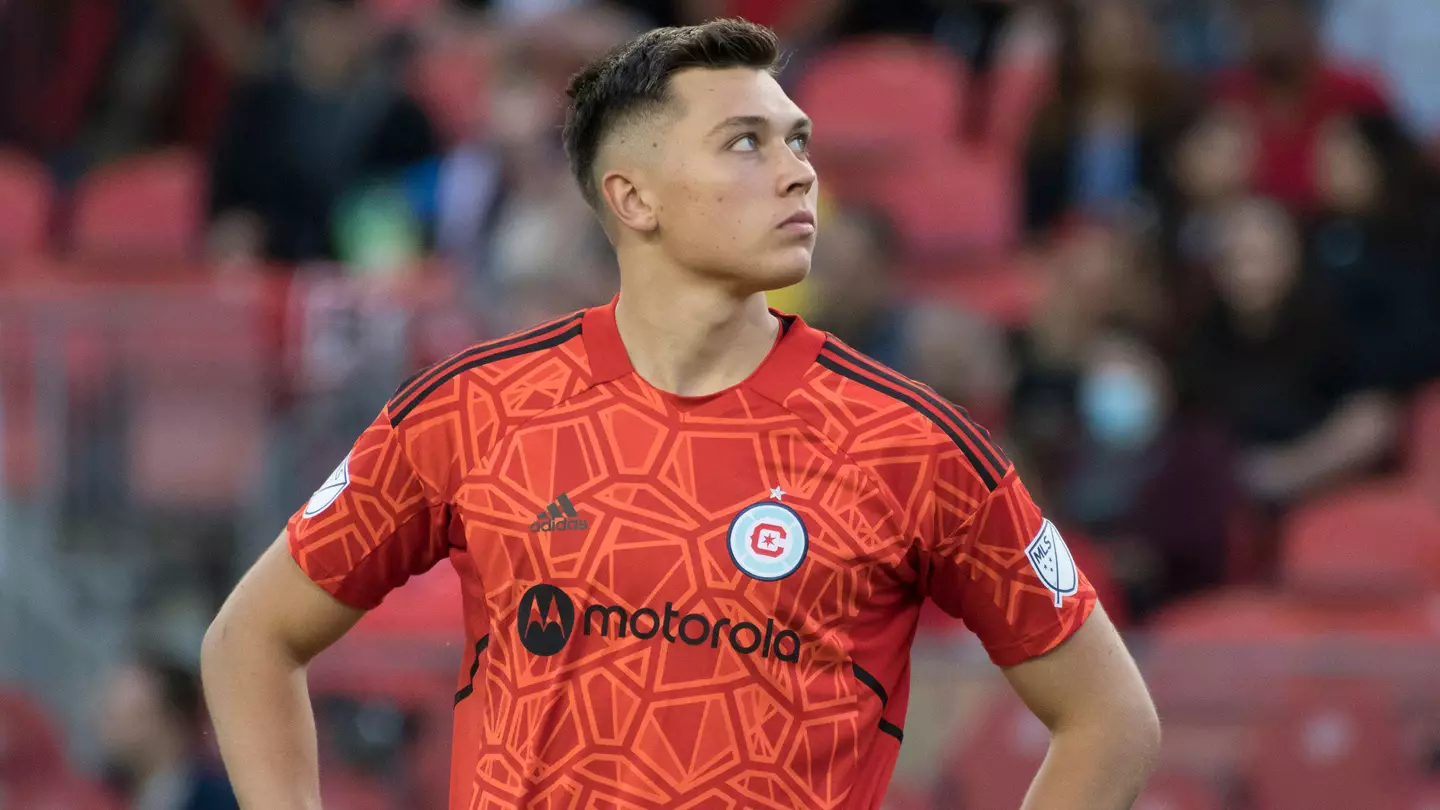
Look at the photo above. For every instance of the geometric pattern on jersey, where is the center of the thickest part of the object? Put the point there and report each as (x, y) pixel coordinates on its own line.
(632, 663)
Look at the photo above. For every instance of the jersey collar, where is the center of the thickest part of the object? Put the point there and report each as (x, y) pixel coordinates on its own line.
(777, 376)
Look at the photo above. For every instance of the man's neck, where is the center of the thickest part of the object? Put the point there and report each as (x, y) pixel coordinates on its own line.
(688, 338)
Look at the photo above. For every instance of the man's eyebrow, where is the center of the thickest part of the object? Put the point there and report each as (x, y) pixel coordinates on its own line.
(757, 121)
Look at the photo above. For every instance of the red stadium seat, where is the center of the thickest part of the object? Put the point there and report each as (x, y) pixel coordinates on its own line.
(398, 13)
(1169, 790)
(65, 793)
(1422, 451)
(999, 756)
(883, 95)
(30, 749)
(195, 358)
(948, 200)
(1374, 541)
(1333, 745)
(26, 200)
(1425, 796)
(141, 209)
(352, 792)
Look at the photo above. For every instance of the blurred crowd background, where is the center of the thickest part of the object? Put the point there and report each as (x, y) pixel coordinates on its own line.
(1183, 256)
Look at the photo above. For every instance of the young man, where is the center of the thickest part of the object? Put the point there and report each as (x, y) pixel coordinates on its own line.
(693, 534)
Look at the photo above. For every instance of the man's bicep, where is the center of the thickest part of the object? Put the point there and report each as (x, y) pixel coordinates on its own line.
(276, 602)
(1089, 676)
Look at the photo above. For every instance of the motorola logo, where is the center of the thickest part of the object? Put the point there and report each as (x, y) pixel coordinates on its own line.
(546, 617)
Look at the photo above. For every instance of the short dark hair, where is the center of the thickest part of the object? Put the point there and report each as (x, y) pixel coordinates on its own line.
(634, 79)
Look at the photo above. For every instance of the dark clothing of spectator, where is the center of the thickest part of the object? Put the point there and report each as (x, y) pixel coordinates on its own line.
(52, 61)
(1274, 387)
(1387, 294)
(288, 154)
(1175, 497)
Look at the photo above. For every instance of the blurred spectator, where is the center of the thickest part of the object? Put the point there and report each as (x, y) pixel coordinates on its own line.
(1272, 363)
(1210, 165)
(150, 732)
(167, 75)
(1097, 146)
(1289, 89)
(52, 59)
(1374, 247)
(1153, 486)
(852, 286)
(331, 118)
(964, 357)
(505, 191)
(1101, 277)
(1396, 38)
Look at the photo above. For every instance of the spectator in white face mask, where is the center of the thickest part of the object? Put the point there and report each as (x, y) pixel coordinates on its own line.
(1152, 486)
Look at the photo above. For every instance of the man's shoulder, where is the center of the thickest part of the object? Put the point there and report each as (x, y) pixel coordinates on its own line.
(551, 350)
(879, 413)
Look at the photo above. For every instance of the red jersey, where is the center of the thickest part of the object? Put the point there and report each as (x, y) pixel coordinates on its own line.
(687, 602)
(1289, 136)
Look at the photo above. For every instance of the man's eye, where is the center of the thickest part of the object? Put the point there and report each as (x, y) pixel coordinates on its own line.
(746, 143)
(800, 142)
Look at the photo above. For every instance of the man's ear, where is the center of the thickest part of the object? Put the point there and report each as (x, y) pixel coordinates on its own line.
(628, 204)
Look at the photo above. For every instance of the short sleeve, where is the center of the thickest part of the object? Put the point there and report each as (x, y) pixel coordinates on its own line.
(371, 526)
(1004, 569)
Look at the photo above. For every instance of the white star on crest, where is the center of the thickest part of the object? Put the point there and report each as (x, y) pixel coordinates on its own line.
(777, 493)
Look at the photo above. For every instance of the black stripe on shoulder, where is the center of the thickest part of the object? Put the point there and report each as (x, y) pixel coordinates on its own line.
(893, 730)
(469, 688)
(871, 681)
(987, 459)
(416, 381)
(482, 360)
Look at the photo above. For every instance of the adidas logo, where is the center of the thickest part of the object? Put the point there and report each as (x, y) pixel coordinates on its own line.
(560, 516)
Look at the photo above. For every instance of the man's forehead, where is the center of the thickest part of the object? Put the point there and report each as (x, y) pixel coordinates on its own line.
(709, 97)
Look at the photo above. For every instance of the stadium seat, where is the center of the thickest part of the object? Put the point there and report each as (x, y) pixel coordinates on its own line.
(140, 210)
(999, 755)
(1422, 451)
(1425, 796)
(1332, 745)
(30, 748)
(343, 791)
(948, 200)
(61, 793)
(195, 363)
(26, 200)
(1170, 790)
(883, 96)
(397, 14)
(1376, 541)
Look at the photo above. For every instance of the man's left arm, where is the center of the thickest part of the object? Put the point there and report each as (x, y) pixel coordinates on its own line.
(1105, 735)
(1004, 569)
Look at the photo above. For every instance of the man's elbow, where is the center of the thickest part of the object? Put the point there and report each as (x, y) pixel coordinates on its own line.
(1138, 731)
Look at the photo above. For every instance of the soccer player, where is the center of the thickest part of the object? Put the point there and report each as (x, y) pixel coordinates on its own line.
(693, 534)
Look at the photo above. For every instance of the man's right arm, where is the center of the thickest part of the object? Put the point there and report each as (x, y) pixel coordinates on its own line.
(253, 665)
